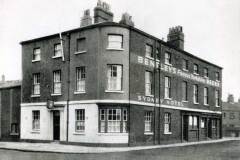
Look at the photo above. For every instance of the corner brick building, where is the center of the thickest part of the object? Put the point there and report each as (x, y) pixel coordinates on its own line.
(110, 83)
(10, 100)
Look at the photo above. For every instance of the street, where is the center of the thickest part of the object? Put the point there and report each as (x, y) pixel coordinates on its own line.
(229, 150)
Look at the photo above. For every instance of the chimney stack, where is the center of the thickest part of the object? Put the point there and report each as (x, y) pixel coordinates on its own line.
(86, 19)
(102, 12)
(176, 37)
(230, 98)
(127, 20)
(3, 79)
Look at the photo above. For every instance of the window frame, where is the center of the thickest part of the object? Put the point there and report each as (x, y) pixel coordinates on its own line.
(195, 94)
(113, 80)
(57, 50)
(217, 98)
(80, 117)
(104, 120)
(148, 120)
(195, 69)
(184, 90)
(114, 48)
(36, 120)
(77, 45)
(80, 79)
(217, 76)
(168, 58)
(205, 96)
(36, 84)
(167, 87)
(148, 83)
(34, 55)
(57, 82)
(186, 66)
(167, 123)
(205, 72)
(147, 52)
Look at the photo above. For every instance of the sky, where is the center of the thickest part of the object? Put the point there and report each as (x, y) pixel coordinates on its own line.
(211, 28)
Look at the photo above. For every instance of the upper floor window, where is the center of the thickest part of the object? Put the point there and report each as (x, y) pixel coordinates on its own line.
(80, 120)
(184, 91)
(195, 69)
(57, 85)
(81, 45)
(217, 98)
(80, 79)
(167, 123)
(185, 64)
(168, 58)
(205, 95)
(195, 93)
(36, 84)
(148, 121)
(158, 54)
(148, 83)
(36, 54)
(217, 75)
(205, 72)
(115, 41)
(57, 50)
(36, 120)
(167, 89)
(114, 78)
(149, 51)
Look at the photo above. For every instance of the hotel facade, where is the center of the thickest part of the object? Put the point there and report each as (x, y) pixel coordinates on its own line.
(110, 83)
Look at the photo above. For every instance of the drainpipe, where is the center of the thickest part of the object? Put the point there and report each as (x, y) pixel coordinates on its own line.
(159, 90)
(68, 83)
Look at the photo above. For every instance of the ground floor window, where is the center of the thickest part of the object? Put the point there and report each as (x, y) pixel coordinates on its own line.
(14, 128)
(36, 120)
(214, 123)
(80, 120)
(148, 121)
(167, 123)
(203, 122)
(193, 122)
(113, 120)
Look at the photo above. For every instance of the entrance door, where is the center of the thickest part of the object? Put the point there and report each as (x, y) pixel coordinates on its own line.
(209, 128)
(56, 125)
(185, 128)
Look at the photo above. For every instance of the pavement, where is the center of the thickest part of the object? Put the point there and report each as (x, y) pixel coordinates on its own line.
(62, 148)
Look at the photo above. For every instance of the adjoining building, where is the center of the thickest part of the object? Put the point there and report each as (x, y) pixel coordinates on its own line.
(10, 100)
(110, 83)
(231, 117)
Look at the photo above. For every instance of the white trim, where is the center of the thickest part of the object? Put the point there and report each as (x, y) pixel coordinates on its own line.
(33, 104)
(35, 95)
(148, 133)
(112, 134)
(80, 52)
(57, 56)
(79, 133)
(115, 49)
(150, 95)
(56, 94)
(79, 92)
(36, 60)
(167, 133)
(113, 91)
(125, 102)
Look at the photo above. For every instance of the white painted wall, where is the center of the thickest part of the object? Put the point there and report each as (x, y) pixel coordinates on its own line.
(46, 123)
(91, 134)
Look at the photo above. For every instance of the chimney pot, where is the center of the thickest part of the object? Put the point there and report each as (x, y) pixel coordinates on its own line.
(127, 20)
(176, 37)
(86, 20)
(102, 12)
(3, 78)
(230, 98)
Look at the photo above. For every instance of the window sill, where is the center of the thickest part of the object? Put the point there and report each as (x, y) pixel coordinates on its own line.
(167, 132)
(168, 64)
(14, 134)
(112, 134)
(79, 92)
(110, 91)
(57, 57)
(79, 133)
(167, 98)
(37, 60)
(218, 81)
(148, 133)
(197, 74)
(185, 70)
(149, 95)
(56, 94)
(195, 103)
(206, 77)
(35, 131)
(206, 105)
(80, 52)
(218, 106)
(116, 49)
(184, 101)
(36, 95)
